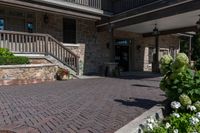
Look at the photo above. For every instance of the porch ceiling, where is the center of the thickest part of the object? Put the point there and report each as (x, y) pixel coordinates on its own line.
(179, 21)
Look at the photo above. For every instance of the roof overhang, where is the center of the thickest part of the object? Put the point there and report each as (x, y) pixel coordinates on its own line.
(170, 16)
(184, 22)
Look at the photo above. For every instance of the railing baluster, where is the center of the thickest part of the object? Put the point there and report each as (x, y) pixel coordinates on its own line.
(20, 43)
(38, 43)
(14, 48)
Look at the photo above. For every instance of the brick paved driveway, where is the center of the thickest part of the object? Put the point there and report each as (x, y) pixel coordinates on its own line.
(77, 106)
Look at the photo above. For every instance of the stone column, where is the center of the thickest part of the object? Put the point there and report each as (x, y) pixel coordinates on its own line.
(156, 56)
(112, 50)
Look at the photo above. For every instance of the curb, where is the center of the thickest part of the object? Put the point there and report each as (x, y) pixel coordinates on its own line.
(135, 125)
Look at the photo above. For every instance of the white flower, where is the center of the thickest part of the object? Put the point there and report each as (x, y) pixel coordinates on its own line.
(175, 105)
(175, 130)
(194, 120)
(191, 108)
(176, 115)
(151, 120)
(198, 115)
(167, 125)
(149, 126)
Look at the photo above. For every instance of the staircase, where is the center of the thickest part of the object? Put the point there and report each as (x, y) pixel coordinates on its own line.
(34, 43)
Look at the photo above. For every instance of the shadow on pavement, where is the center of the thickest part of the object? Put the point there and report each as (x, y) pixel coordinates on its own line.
(137, 102)
(139, 85)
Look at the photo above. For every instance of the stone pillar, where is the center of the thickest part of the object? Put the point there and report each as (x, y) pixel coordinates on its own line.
(156, 56)
(112, 50)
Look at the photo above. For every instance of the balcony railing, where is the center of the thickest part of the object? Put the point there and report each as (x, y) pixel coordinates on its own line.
(89, 3)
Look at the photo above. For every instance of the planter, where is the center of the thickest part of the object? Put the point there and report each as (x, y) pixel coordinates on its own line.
(26, 74)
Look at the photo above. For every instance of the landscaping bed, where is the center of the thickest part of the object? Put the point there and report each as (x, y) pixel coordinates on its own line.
(182, 87)
(18, 70)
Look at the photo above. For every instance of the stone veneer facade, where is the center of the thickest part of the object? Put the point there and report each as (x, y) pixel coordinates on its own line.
(25, 74)
(93, 50)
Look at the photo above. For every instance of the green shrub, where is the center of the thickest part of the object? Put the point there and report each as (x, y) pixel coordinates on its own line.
(197, 64)
(5, 52)
(13, 60)
(179, 79)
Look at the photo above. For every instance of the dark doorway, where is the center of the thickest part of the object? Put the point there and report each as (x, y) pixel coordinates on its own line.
(69, 30)
(122, 57)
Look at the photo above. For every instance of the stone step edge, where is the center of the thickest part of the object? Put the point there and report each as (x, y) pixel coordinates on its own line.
(134, 126)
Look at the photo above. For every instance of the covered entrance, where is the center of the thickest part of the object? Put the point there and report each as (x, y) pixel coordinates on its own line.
(122, 53)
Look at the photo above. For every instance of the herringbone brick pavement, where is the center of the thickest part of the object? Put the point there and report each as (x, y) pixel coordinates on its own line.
(77, 106)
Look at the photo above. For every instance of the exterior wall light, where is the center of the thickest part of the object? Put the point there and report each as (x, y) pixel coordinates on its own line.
(156, 31)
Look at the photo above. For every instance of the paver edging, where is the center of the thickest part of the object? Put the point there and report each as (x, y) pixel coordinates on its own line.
(135, 125)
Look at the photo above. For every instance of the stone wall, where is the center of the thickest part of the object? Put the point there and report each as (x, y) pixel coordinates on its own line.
(54, 26)
(79, 50)
(96, 52)
(26, 74)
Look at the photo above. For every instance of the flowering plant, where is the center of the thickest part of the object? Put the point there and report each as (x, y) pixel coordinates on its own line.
(62, 74)
(179, 78)
(182, 85)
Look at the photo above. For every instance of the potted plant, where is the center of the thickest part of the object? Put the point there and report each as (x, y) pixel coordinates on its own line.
(62, 74)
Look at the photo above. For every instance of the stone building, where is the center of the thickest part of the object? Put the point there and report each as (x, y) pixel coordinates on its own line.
(98, 31)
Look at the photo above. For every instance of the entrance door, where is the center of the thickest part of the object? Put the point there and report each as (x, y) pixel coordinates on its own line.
(69, 30)
(122, 57)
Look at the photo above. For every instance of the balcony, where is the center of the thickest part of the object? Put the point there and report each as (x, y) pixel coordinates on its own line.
(89, 3)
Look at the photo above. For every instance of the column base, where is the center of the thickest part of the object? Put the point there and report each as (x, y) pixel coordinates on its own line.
(155, 67)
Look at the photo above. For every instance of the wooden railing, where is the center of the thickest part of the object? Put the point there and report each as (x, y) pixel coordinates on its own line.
(33, 43)
(90, 3)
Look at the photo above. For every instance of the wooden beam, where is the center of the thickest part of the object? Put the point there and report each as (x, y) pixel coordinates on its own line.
(172, 31)
(162, 13)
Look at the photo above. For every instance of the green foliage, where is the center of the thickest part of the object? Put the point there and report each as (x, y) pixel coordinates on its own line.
(197, 105)
(197, 64)
(13, 60)
(179, 79)
(5, 52)
(180, 60)
(165, 61)
(182, 123)
(185, 100)
(196, 47)
(159, 129)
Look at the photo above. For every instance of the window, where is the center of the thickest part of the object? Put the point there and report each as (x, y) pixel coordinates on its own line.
(151, 54)
(2, 24)
(69, 30)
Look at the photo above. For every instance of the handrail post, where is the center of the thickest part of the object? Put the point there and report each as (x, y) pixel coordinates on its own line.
(77, 65)
(46, 45)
